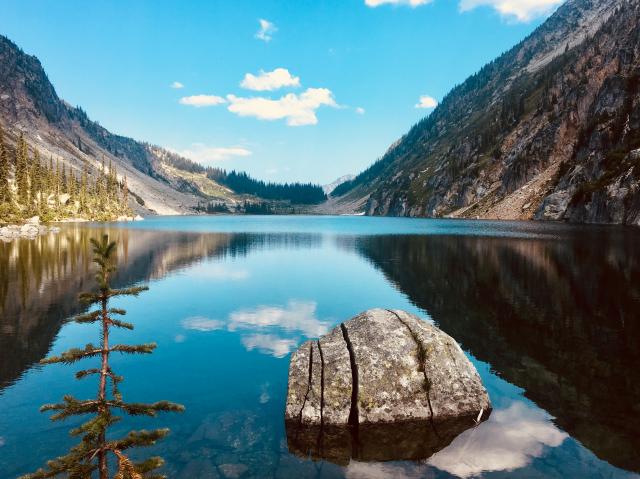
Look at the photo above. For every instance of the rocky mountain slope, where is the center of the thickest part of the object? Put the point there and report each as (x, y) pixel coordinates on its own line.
(329, 187)
(549, 130)
(29, 104)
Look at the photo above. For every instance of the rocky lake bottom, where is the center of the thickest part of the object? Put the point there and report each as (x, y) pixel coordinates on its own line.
(548, 314)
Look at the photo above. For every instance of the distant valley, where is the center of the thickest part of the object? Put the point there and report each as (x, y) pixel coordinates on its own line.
(159, 181)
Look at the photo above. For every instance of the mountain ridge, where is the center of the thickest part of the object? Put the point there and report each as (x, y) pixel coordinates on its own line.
(157, 180)
(535, 134)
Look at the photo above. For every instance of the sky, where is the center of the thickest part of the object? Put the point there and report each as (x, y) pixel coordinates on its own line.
(297, 90)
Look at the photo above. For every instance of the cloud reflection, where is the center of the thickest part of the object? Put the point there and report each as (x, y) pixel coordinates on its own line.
(278, 329)
(378, 470)
(217, 271)
(201, 323)
(269, 344)
(509, 440)
(296, 316)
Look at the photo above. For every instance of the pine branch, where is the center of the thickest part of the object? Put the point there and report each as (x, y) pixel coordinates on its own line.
(126, 468)
(73, 355)
(91, 317)
(120, 324)
(89, 298)
(86, 372)
(71, 407)
(133, 349)
(141, 438)
(134, 291)
(94, 427)
(142, 409)
(75, 464)
(149, 465)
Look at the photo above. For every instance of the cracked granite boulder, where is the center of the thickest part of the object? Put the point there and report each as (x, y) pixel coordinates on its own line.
(381, 374)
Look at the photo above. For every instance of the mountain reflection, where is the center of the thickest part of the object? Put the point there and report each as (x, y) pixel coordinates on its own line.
(556, 318)
(41, 278)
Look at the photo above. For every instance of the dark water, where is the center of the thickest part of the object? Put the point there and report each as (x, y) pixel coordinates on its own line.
(549, 314)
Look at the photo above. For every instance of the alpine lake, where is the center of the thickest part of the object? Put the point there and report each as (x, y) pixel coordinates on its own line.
(548, 313)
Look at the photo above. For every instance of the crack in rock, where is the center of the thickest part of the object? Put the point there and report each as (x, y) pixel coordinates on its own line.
(304, 401)
(422, 358)
(354, 415)
(321, 385)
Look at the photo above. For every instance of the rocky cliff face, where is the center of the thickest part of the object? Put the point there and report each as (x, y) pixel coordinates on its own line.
(29, 105)
(550, 130)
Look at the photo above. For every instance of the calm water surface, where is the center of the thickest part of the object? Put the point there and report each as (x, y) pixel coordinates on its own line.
(549, 314)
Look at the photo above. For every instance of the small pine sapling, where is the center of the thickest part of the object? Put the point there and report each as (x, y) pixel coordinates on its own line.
(96, 446)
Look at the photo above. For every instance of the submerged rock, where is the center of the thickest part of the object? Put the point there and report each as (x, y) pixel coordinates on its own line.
(384, 382)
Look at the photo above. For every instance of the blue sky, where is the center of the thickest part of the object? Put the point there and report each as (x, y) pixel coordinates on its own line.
(315, 90)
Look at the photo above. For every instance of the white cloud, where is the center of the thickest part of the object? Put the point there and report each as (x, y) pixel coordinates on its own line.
(296, 316)
(268, 81)
(297, 110)
(177, 85)
(209, 155)
(360, 110)
(267, 29)
(412, 3)
(201, 323)
(509, 440)
(202, 100)
(269, 344)
(180, 338)
(427, 101)
(520, 10)
(2, 441)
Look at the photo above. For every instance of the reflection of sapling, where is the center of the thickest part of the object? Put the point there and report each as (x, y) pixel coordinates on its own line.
(91, 454)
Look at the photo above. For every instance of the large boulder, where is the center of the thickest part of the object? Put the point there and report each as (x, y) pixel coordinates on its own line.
(381, 374)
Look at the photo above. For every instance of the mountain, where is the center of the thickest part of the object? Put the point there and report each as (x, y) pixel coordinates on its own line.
(160, 181)
(550, 130)
(328, 188)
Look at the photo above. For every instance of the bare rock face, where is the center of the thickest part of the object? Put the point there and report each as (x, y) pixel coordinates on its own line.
(382, 374)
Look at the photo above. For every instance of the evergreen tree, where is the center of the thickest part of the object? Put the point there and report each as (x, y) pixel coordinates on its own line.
(21, 173)
(34, 183)
(51, 177)
(112, 183)
(57, 187)
(5, 191)
(71, 184)
(125, 194)
(84, 185)
(63, 179)
(92, 453)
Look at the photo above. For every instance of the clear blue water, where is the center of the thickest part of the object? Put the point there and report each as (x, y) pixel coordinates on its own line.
(549, 314)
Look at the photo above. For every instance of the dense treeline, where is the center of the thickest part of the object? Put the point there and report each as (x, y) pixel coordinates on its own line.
(242, 183)
(30, 186)
(299, 193)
